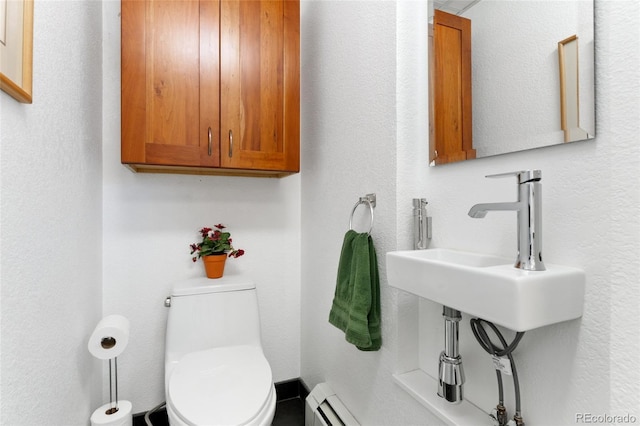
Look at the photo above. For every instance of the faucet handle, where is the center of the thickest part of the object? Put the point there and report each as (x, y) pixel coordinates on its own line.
(523, 176)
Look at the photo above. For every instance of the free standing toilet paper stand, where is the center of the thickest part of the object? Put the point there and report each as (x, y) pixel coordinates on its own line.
(112, 414)
(110, 341)
(103, 345)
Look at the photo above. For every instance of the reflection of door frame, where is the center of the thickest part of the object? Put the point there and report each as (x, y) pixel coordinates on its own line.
(568, 53)
(451, 87)
(432, 86)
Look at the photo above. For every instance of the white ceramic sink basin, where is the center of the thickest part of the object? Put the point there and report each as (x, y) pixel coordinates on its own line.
(489, 287)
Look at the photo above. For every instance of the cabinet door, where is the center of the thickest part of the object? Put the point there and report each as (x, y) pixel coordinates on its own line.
(452, 81)
(259, 81)
(170, 84)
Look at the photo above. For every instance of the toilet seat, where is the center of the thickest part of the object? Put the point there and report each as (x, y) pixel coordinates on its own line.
(221, 386)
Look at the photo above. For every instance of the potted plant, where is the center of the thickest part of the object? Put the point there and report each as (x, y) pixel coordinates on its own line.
(214, 249)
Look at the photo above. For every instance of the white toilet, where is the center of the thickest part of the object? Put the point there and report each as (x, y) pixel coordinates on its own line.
(215, 370)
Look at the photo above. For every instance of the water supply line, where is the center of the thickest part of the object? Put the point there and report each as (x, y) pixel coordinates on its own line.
(505, 350)
(450, 372)
(147, 416)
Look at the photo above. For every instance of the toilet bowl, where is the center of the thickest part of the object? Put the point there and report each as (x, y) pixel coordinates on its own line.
(215, 370)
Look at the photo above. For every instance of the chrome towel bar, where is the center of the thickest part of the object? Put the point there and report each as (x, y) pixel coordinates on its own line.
(370, 200)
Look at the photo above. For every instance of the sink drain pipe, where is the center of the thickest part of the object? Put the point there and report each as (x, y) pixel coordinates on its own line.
(450, 372)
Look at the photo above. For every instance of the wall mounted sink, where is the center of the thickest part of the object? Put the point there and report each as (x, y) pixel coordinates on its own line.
(489, 287)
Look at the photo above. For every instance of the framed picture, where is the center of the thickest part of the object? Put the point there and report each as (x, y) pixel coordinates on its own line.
(16, 48)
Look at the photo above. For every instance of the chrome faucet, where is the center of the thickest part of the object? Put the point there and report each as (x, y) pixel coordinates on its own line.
(529, 208)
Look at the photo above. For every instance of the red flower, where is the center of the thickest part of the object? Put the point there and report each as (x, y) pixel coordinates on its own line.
(214, 241)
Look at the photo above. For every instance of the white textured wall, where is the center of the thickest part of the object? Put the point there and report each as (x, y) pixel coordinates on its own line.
(51, 239)
(349, 150)
(591, 199)
(149, 222)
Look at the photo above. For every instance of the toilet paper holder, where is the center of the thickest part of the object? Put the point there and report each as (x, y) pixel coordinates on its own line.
(108, 340)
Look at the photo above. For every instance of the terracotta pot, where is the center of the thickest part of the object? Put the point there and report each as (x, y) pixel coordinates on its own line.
(214, 265)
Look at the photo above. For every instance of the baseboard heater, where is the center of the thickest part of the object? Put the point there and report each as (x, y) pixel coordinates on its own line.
(324, 408)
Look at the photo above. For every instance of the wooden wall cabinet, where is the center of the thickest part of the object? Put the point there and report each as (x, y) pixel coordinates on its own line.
(211, 87)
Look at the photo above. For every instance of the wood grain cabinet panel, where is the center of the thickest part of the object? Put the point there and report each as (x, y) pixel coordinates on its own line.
(452, 107)
(211, 87)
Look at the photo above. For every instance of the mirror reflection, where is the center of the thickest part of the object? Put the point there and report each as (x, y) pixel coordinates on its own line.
(509, 75)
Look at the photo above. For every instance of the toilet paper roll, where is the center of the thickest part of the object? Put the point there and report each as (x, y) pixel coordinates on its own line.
(110, 337)
(122, 417)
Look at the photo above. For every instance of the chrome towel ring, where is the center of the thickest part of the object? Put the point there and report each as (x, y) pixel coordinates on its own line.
(370, 200)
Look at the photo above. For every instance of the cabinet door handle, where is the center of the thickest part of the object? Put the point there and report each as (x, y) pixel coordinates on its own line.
(230, 143)
(210, 142)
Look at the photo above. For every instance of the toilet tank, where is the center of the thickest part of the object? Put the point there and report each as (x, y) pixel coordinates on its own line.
(208, 313)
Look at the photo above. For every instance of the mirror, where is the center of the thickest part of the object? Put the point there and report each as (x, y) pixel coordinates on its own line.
(531, 76)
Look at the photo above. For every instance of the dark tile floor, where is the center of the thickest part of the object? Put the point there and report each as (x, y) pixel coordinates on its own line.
(289, 407)
(159, 418)
(289, 413)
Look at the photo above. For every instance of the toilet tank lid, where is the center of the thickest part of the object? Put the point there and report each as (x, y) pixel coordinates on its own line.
(203, 285)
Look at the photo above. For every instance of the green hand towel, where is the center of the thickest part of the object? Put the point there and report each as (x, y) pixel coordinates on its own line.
(356, 303)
